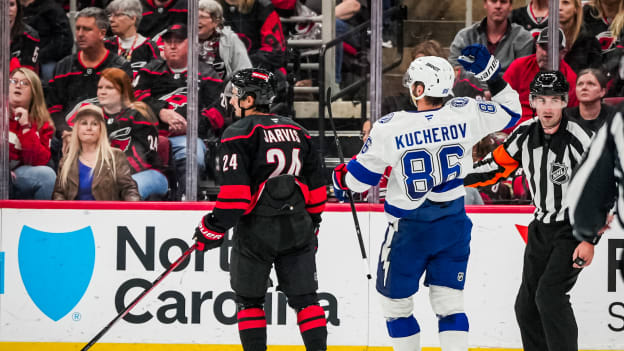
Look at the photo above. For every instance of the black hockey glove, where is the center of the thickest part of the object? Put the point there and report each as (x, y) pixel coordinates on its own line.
(207, 235)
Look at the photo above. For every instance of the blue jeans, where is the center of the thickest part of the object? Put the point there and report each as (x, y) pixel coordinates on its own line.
(47, 71)
(33, 182)
(151, 182)
(178, 149)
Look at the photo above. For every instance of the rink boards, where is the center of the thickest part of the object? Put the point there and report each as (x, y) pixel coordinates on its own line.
(67, 268)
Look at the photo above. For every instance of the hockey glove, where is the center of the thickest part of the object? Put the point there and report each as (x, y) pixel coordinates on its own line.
(477, 59)
(206, 235)
(340, 172)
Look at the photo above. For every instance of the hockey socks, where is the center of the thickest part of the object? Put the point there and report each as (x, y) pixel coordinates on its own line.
(405, 333)
(252, 329)
(313, 328)
(453, 332)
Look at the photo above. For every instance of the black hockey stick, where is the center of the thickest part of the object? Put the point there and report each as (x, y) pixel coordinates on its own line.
(138, 298)
(348, 191)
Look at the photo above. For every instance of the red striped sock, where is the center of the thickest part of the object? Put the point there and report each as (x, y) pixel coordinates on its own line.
(313, 327)
(252, 329)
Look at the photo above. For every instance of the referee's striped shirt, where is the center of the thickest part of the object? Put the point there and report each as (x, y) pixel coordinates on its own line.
(547, 160)
(593, 188)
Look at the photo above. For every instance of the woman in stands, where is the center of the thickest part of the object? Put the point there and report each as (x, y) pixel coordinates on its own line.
(591, 113)
(92, 169)
(219, 46)
(30, 131)
(24, 39)
(582, 50)
(132, 127)
(125, 16)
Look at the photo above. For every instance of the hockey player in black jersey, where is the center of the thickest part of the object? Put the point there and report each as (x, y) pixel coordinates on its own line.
(273, 194)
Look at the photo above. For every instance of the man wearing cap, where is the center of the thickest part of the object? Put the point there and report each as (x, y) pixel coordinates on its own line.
(503, 39)
(522, 71)
(162, 85)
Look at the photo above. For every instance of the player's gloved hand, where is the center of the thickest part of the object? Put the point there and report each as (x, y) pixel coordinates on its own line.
(477, 59)
(339, 174)
(206, 234)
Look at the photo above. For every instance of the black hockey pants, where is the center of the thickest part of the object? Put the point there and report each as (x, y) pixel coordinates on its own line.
(543, 308)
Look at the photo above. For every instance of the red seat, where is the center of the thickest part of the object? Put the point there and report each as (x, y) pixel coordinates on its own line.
(613, 100)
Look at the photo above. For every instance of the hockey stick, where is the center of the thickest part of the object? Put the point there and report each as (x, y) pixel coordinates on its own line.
(138, 298)
(348, 191)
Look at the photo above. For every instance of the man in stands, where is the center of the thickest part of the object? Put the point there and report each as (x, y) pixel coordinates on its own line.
(162, 85)
(503, 39)
(522, 71)
(77, 75)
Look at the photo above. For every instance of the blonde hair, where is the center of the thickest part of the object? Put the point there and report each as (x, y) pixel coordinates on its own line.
(572, 33)
(104, 153)
(617, 23)
(37, 110)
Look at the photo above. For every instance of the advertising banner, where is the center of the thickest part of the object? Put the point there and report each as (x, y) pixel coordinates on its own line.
(66, 273)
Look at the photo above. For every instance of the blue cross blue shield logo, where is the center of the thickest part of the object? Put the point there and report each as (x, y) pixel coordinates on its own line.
(56, 268)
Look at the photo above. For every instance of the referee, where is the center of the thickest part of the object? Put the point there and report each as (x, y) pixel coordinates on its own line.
(548, 147)
(594, 187)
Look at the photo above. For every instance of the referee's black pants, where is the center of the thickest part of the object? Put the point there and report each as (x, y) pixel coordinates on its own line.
(543, 308)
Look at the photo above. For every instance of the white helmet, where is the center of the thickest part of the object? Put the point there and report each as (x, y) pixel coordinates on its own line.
(436, 73)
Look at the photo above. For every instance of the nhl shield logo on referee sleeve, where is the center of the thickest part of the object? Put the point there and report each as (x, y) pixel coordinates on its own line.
(56, 268)
(559, 173)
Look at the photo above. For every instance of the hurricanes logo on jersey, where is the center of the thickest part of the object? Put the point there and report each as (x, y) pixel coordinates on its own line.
(559, 173)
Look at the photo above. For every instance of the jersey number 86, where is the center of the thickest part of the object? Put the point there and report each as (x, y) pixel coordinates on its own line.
(422, 171)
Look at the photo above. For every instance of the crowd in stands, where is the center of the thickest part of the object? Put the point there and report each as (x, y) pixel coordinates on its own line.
(108, 122)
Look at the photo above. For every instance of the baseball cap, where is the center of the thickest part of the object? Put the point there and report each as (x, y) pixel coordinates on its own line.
(177, 29)
(542, 38)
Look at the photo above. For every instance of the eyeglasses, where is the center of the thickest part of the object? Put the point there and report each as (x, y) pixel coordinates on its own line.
(117, 14)
(23, 83)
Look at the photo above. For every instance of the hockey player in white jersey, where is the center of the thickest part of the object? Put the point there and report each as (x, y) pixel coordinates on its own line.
(430, 152)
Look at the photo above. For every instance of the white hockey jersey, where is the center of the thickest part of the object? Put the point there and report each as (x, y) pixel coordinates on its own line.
(430, 152)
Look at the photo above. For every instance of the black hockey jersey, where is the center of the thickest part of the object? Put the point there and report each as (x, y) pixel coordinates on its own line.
(140, 54)
(50, 21)
(259, 147)
(136, 136)
(25, 47)
(74, 84)
(598, 26)
(156, 19)
(524, 16)
(261, 32)
(161, 88)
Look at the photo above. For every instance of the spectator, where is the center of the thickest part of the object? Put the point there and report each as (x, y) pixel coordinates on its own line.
(50, 21)
(30, 132)
(24, 39)
(505, 40)
(125, 16)
(260, 29)
(219, 46)
(158, 14)
(132, 127)
(591, 113)
(582, 50)
(92, 169)
(522, 71)
(162, 86)
(598, 17)
(76, 76)
(532, 17)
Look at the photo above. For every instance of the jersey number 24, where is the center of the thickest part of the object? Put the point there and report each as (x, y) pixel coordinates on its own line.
(422, 171)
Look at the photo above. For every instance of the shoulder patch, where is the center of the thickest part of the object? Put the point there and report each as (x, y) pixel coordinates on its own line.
(386, 118)
(487, 107)
(459, 102)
